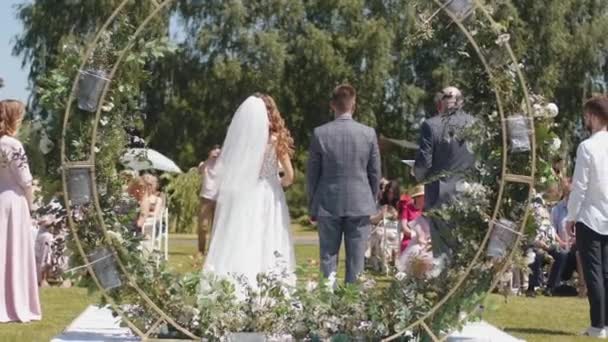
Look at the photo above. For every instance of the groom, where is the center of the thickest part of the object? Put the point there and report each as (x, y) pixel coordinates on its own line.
(343, 178)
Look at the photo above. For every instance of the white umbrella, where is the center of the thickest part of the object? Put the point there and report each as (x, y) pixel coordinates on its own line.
(409, 162)
(145, 159)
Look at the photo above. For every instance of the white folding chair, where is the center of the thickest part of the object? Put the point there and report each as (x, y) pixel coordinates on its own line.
(157, 229)
(166, 231)
(392, 244)
(161, 231)
(149, 233)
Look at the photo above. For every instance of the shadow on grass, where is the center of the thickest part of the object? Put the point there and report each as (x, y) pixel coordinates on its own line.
(538, 331)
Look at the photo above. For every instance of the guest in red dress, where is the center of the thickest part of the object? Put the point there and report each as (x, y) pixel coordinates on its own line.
(410, 208)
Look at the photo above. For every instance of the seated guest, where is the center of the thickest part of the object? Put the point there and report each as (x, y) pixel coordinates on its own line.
(136, 190)
(547, 245)
(126, 178)
(410, 208)
(52, 258)
(131, 187)
(558, 167)
(43, 251)
(564, 253)
(417, 259)
(389, 203)
(145, 191)
(383, 183)
(151, 202)
(384, 240)
(544, 241)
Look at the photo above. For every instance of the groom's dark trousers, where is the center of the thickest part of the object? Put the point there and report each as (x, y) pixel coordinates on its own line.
(356, 232)
(343, 177)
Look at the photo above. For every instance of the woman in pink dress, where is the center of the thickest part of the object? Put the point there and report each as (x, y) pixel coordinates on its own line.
(19, 301)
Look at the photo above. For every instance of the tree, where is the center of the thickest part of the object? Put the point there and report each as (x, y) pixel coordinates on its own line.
(299, 50)
(54, 50)
(290, 49)
(39, 44)
(564, 46)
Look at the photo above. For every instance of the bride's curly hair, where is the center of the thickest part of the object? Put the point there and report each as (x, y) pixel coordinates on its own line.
(285, 144)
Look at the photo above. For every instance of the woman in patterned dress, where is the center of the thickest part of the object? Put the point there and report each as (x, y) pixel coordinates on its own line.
(19, 300)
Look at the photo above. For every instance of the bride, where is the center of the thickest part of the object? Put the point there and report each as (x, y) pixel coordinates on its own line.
(252, 224)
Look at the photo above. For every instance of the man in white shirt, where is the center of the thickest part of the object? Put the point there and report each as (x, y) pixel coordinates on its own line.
(208, 197)
(588, 212)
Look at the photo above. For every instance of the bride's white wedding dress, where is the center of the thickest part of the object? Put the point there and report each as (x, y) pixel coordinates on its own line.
(252, 224)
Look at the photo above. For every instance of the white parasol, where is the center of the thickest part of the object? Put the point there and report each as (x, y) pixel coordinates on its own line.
(409, 162)
(145, 159)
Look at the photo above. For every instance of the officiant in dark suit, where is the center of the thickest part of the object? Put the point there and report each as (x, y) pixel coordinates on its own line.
(442, 159)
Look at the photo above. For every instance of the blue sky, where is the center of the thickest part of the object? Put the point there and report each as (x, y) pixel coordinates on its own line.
(15, 78)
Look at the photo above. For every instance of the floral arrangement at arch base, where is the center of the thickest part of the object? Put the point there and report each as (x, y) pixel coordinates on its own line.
(319, 310)
(211, 306)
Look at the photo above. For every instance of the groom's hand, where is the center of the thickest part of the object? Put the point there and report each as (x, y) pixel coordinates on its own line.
(313, 220)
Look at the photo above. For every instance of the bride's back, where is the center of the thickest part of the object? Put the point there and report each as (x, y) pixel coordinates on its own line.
(270, 165)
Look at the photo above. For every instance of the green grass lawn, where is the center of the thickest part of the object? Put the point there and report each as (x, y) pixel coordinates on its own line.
(297, 229)
(300, 230)
(182, 259)
(59, 308)
(541, 318)
(532, 319)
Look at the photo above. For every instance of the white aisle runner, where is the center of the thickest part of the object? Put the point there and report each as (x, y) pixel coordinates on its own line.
(481, 332)
(96, 324)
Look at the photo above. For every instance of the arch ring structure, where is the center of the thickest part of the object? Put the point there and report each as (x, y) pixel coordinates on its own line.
(162, 317)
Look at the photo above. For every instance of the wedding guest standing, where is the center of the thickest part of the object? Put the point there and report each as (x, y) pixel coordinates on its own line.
(588, 211)
(208, 197)
(442, 158)
(19, 301)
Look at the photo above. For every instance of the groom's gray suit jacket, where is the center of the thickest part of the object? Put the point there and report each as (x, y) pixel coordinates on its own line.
(343, 173)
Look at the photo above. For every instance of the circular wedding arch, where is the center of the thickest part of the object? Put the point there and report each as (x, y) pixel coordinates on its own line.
(163, 318)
